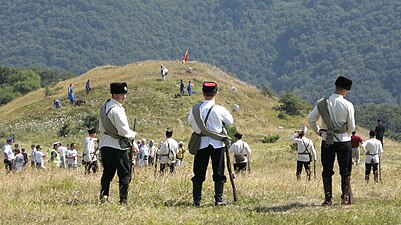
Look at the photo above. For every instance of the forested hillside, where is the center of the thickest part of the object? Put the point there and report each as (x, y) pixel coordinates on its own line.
(299, 45)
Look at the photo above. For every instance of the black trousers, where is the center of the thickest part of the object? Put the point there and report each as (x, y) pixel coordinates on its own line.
(201, 162)
(240, 167)
(163, 166)
(91, 166)
(115, 160)
(369, 166)
(344, 157)
(8, 164)
(301, 164)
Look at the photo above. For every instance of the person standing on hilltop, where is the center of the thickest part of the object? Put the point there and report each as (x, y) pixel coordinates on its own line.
(380, 129)
(374, 150)
(71, 95)
(337, 122)
(189, 88)
(88, 86)
(115, 142)
(182, 86)
(214, 117)
(355, 141)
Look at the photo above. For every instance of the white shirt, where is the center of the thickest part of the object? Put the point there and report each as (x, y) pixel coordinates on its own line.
(165, 147)
(33, 155)
(19, 161)
(217, 117)
(38, 157)
(302, 143)
(373, 149)
(341, 112)
(62, 151)
(72, 156)
(7, 151)
(240, 148)
(144, 150)
(89, 150)
(152, 151)
(119, 119)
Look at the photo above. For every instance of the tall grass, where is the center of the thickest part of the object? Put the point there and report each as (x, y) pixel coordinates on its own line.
(269, 195)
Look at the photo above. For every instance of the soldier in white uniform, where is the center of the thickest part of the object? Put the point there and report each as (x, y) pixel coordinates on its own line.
(338, 122)
(374, 150)
(90, 152)
(209, 147)
(168, 152)
(8, 154)
(241, 152)
(306, 152)
(115, 142)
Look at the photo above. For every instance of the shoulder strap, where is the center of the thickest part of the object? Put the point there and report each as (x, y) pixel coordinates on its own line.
(322, 106)
(306, 147)
(106, 122)
(201, 124)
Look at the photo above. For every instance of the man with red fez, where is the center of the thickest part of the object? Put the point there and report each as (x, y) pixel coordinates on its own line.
(114, 143)
(214, 117)
(338, 122)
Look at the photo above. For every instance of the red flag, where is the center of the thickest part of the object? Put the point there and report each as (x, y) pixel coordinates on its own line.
(185, 59)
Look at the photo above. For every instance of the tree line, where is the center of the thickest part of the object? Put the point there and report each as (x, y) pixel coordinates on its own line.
(18, 82)
(300, 45)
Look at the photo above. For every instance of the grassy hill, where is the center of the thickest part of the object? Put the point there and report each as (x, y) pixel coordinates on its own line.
(269, 195)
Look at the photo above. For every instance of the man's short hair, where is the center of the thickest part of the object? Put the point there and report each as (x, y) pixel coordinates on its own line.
(169, 132)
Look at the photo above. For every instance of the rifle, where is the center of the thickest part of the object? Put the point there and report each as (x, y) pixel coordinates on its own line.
(249, 163)
(314, 169)
(131, 151)
(380, 169)
(156, 157)
(230, 170)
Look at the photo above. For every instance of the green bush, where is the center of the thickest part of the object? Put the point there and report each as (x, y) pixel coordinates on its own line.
(293, 105)
(282, 116)
(270, 139)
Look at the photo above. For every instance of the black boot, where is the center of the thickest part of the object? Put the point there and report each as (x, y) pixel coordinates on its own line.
(346, 189)
(197, 193)
(327, 191)
(123, 193)
(298, 176)
(308, 173)
(376, 176)
(367, 178)
(218, 194)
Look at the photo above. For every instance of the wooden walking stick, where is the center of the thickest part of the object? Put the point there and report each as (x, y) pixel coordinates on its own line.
(230, 171)
(314, 169)
(380, 169)
(249, 163)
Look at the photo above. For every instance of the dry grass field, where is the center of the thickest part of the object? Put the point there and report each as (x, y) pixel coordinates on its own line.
(269, 195)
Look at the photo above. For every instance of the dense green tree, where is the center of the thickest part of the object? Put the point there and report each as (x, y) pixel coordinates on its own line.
(300, 45)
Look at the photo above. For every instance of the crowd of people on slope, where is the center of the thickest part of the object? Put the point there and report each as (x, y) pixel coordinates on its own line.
(169, 153)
